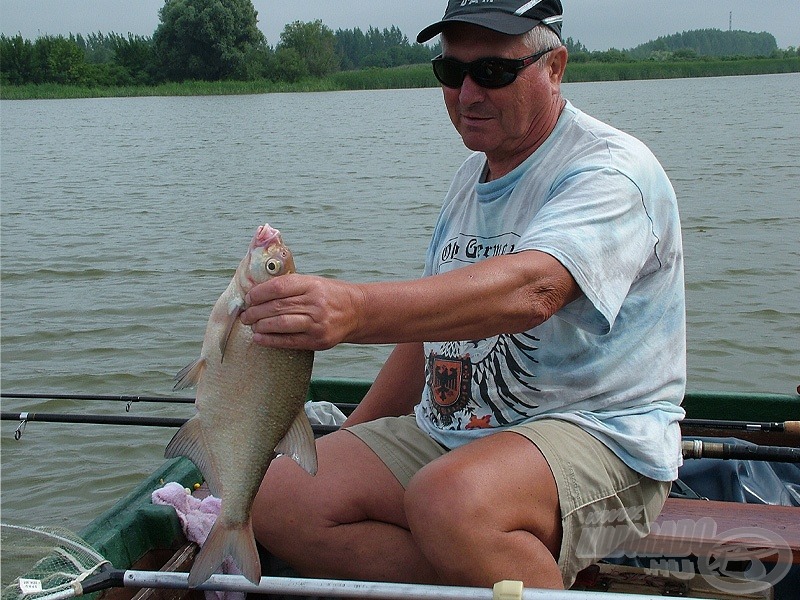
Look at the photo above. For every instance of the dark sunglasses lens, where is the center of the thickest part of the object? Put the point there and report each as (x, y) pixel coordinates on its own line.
(492, 73)
(488, 73)
(450, 73)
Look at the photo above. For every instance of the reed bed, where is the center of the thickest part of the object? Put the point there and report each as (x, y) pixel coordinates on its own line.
(414, 76)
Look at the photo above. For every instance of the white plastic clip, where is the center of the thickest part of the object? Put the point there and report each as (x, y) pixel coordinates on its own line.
(507, 590)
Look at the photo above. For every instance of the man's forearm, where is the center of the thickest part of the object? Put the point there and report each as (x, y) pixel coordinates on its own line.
(506, 294)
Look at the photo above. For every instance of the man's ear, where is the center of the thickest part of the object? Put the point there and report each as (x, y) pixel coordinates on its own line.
(557, 63)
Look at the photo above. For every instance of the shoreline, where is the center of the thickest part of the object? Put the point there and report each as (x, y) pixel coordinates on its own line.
(414, 76)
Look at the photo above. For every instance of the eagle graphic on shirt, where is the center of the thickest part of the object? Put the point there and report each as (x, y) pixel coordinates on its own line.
(482, 383)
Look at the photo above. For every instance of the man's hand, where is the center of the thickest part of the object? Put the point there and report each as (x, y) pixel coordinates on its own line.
(303, 312)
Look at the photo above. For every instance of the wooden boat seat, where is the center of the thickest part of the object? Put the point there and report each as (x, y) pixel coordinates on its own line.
(707, 528)
(181, 560)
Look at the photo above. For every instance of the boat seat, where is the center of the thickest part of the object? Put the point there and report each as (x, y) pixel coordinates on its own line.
(181, 560)
(707, 528)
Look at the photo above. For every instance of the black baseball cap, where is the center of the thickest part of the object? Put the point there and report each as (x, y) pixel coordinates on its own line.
(512, 17)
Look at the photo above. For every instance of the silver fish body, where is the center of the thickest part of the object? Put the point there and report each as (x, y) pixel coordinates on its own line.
(249, 407)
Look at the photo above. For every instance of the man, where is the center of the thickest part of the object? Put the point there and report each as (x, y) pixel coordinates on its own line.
(526, 423)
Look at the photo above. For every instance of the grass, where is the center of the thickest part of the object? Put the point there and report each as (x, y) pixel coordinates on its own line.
(582, 72)
(414, 76)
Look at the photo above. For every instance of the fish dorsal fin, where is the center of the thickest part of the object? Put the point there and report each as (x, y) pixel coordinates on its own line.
(190, 442)
(235, 308)
(299, 443)
(190, 375)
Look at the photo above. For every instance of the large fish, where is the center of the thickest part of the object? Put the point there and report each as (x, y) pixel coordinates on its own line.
(249, 407)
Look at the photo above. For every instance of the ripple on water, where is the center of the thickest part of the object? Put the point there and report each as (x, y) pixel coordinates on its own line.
(115, 251)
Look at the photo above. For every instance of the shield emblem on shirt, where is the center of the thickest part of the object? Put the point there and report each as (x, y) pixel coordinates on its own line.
(449, 382)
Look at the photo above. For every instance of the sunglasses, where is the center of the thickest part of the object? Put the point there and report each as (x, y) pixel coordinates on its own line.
(486, 72)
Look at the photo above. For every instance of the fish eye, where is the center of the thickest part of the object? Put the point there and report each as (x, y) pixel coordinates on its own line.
(273, 266)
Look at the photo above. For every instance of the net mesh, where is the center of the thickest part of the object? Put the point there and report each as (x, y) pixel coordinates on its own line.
(41, 562)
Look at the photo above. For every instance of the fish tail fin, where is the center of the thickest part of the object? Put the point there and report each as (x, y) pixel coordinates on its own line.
(236, 542)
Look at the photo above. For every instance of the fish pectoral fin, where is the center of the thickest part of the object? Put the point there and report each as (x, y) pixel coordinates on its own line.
(190, 442)
(190, 375)
(299, 443)
(235, 308)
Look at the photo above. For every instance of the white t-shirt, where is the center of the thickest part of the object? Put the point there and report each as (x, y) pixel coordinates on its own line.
(614, 360)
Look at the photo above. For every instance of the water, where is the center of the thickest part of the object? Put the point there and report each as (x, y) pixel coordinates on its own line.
(122, 220)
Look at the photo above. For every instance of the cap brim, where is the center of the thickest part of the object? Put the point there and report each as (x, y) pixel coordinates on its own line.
(496, 21)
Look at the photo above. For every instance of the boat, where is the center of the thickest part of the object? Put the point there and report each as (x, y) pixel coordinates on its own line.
(136, 534)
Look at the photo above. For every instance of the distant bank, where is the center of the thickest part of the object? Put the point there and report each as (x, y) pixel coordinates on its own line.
(415, 76)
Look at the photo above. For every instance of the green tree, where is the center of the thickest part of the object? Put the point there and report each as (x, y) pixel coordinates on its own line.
(135, 55)
(287, 65)
(351, 44)
(711, 42)
(574, 46)
(612, 55)
(97, 47)
(315, 43)
(16, 60)
(387, 48)
(58, 60)
(209, 40)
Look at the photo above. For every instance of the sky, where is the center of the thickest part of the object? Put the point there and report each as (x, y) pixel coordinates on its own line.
(598, 24)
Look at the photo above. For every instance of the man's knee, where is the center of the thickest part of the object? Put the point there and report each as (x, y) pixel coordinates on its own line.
(438, 501)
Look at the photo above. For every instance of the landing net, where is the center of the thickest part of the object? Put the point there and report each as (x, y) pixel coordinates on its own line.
(43, 562)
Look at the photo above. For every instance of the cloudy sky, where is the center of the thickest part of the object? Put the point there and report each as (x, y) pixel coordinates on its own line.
(598, 24)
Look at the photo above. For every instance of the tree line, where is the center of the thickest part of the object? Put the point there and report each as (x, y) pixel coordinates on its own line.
(711, 42)
(214, 40)
(697, 44)
(208, 40)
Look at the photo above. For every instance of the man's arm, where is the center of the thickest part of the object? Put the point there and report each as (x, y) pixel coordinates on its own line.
(504, 294)
(396, 389)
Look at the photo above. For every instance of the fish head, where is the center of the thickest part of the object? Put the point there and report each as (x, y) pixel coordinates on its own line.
(267, 257)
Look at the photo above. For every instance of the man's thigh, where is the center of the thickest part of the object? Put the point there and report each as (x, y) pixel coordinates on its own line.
(352, 484)
(603, 501)
(400, 444)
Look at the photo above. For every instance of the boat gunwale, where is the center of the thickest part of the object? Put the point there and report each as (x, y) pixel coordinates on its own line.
(134, 526)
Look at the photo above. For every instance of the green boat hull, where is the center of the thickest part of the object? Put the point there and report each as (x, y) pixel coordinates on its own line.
(134, 526)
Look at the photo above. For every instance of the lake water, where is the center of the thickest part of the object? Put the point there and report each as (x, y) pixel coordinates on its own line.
(122, 220)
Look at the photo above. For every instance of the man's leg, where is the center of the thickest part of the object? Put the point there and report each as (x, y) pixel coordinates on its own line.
(488, 511)
(347, 521)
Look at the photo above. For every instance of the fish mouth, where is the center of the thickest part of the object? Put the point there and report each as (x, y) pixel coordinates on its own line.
(265, 237)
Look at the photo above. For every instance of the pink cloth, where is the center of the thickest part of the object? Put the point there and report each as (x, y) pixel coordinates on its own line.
(196, 517)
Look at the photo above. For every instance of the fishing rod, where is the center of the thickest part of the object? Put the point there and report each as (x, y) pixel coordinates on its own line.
(343, 406)
(789, 427)
(732, 450)
(691, 448)
(93, 419)
(105, 397)
(786, 427)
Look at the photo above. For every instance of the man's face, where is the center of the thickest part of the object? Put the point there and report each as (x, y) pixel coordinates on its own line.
(505, 123)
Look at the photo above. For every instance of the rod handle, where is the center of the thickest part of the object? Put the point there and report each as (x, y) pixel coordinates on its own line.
(792, 427)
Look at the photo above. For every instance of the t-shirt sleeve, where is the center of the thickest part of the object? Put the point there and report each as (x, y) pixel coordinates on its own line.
(595, 223)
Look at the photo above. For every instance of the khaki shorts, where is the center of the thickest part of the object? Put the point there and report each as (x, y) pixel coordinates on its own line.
(603, 501)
